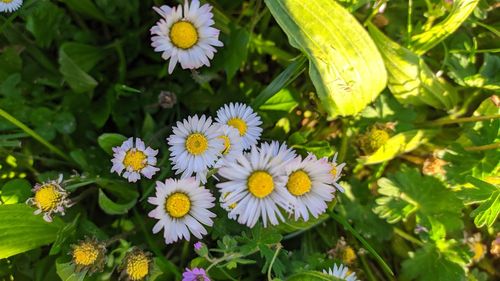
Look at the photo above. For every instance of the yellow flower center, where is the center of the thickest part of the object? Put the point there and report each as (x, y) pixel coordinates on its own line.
(183, 34)
(6, 1)
(227, 144)
(299, 183)
(333, 171)
(135, 159)
(137, 266)
(85, 254)
(348, 255)
(479, 250)
(260, 184)
(48, 197)
(177, 205)
(196, 144)
(239, 124)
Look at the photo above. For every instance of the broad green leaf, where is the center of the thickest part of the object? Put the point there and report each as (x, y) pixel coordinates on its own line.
(11, 62)
(344, 63)
(235, 51)
(290, 225)
(421, 43)
(443, 261)
(65, 122)
(399, 144)
(485, 194)
(76, 77)
(311, 276)
(87, 8)
(108, 141)
(66, 271)
(411, 81)
(318, 148)
(45, 22)
(286, 77)
(15, 191)
(21, 230)
(283, 100)
(114, 208)
(407, 192)
(85, 56)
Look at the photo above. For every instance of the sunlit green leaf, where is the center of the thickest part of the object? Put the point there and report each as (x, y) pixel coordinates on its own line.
(345, 65)
(421, 43)
(411, 81)
(15, 191)
(114, 208)
(108, 141)
(399, 144)
(21, 230)
(66, 271)
(487, 196)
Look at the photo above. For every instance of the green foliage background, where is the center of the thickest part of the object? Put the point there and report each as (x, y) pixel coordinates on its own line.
(77, 76)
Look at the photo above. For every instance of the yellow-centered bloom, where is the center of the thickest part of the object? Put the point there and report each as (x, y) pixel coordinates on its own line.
(185, 36)
(9, 6)
(136, 265)
(181, 208)
(49, 198)
(134, 159)
(241, 117)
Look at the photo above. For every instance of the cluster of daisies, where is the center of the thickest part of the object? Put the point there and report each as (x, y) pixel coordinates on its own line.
(265, 182)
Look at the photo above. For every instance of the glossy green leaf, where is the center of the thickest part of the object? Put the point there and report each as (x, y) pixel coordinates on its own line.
(235, 51)
(21, 230)
(344, 63)
(284, 100)
(74, 75)
(15, 191)
(461, 9)
(411, 81)
(407, 192)
(108, 141)
(487, 196)
(113, 208)
(85, 56)
(399, 144)
(66, 271)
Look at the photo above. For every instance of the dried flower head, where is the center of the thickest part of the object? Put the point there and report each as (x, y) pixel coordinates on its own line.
(167, 99)
(136, 265)
(49, 198)
(88, 254)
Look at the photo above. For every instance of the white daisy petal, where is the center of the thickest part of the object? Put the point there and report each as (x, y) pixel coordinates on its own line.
(10, 6)
(185, 35)
(195, 146)
(335, 171)
(341, 272)
(256, 190)
(182, 209)
(134, 159)
(243, 118)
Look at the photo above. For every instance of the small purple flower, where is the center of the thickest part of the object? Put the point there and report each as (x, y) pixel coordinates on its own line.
(195, 274)
(198, 245)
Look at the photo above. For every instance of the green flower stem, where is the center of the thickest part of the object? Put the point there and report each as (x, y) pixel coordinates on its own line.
(407, 236)
(441, 122)
(483, 147)
(33, 134)
(344, 142)
(139, 221)
(387, 270)
(270, 269)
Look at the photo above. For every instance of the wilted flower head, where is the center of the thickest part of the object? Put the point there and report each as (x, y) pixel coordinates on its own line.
(49, 198)
(477, 247)
(495, 246)
(195, 274)
(167, 99)
(88, 254)
(433, 166)
(136, 265)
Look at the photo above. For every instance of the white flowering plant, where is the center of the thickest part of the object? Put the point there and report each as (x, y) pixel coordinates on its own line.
(294, 140)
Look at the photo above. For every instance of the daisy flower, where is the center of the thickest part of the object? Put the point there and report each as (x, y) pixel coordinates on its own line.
(185, 36)
(195, 274)
(195, 146)
(341, 272)
(243, 118)
(232, 145)
(181, 208)
(134, 159)
(335, 171)
(10, 5)
(49, 198)
(308, 181)
(255, 188)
